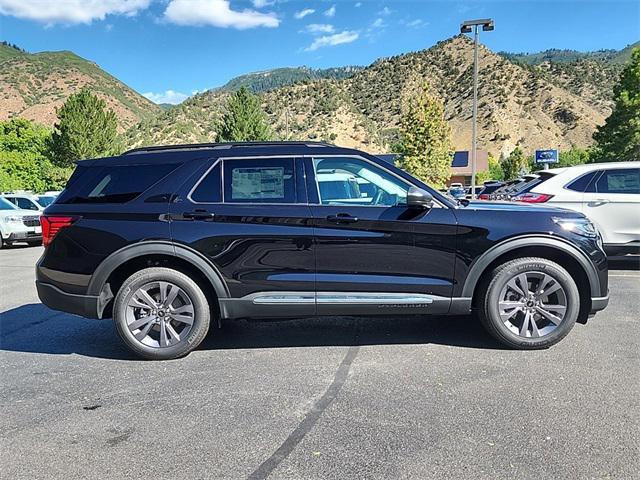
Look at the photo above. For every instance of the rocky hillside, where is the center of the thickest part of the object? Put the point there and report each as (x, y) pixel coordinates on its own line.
(33, 85)
(528, 105)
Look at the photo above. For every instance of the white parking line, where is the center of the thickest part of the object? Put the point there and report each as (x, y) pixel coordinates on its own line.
(625, 275)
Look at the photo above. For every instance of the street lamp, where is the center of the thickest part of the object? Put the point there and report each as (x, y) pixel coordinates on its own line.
(467, 27)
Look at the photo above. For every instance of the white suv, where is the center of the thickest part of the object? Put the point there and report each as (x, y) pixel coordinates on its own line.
(608, 193)
(18, 225)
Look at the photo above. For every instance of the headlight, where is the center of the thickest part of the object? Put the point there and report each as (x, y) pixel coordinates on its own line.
(13, 219)
(580, 225)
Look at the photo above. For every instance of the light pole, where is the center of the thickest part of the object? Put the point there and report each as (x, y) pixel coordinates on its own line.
(466, 27)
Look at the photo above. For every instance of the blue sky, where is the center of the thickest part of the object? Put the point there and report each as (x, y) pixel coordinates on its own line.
(169, 49)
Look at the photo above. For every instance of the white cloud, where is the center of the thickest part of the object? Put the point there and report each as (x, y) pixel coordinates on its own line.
(217, 13)
(358, 5)
(331, 40)
(385, 11)
(417, 23)
(263, 3)
(304, 13)
(170, 96)
(331, 12)
(70, 11)
(319, 28)
(379, 23)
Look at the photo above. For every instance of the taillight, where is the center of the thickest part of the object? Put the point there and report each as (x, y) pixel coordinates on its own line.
(484, 196)
(533, 197)
(51, 225)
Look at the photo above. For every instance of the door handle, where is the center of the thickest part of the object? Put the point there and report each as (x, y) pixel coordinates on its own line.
(342, 218)
(599, 201)
(199, 215)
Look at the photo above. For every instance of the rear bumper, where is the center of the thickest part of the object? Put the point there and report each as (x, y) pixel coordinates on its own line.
(53, 297)
(23, 236)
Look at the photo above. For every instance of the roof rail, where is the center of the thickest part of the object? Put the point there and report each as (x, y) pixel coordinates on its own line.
(223, 145)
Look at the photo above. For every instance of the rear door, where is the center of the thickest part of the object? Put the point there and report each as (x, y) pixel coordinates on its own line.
(612, 202)
(250, 218)
(373, 254)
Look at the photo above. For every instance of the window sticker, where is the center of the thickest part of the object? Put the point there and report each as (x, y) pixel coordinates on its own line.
(257, 183)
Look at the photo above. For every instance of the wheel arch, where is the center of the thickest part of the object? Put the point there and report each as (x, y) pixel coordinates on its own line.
(120, 264)
(554, 249)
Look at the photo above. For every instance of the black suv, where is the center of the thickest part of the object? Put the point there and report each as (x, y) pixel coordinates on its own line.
(168, 240)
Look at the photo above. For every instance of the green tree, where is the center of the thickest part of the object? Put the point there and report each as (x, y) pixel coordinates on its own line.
(514, 164)
(619, 138)
(243, 119)
(425, 139)
(23, 164)
(494, 172)
(85, 129)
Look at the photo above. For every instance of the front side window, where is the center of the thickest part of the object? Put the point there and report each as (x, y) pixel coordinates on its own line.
(624, 180)
(353, 181)
(259, 180)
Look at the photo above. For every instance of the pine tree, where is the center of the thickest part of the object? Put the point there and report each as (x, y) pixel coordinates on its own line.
(619, 138)
(514, 164)
(425, 139)
(85, 129)
(244, 120)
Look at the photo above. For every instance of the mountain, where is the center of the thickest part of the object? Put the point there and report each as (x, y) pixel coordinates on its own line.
(33, 85)
(534, 106)
(268, 80)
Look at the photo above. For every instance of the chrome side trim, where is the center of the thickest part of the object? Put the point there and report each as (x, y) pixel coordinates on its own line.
(337, 298)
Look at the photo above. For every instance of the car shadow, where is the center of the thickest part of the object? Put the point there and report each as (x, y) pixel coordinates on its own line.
(624, 262)
(34, 328)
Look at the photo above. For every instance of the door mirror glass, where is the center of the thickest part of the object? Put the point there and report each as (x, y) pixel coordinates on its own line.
(419, 198)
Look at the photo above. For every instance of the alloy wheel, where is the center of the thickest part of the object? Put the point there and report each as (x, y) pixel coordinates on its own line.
(160, 314)
(532, 304)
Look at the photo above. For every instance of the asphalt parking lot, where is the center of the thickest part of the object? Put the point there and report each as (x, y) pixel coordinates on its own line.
(317, 398)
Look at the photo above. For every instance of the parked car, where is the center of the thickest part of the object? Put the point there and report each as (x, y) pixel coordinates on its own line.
(457, 191)
(171, 240)
(607, 193)
(24, 201)
(46, 199)
(488, 188)
(18, 225)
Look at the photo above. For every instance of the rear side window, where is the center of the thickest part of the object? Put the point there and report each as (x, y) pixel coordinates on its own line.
(209, 190)
(625, 180)
(263, 180)
(113, 184)
(580, 184)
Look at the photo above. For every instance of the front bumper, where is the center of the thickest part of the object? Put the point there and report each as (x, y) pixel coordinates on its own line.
(56, 299)
(599, 303)
(23, 236)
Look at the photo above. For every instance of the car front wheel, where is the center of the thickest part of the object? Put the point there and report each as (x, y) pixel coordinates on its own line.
(530, 303)
(161, 313)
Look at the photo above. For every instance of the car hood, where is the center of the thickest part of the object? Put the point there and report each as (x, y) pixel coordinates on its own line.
(517, 207)
(21, 212)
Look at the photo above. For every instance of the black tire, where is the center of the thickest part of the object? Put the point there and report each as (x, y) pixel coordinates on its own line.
(200, 319)
(489, 310)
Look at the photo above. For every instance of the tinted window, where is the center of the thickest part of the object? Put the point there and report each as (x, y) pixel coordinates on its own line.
(25, 204)
(6, 205)
(580, 184)
(353, 181)
(619, 181)
(45, 201)
(209, 189)
(116, 184)
(263, 180)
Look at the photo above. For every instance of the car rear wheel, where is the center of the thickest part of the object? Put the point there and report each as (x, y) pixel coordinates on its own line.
(161, 313)
(530, 303)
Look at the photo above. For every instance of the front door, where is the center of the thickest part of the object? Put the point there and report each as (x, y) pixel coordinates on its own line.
(375, 255)
(250, 218)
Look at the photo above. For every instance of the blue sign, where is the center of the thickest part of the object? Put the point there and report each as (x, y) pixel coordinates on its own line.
(546, 156)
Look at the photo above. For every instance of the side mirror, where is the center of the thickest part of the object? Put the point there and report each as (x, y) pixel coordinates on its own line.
(419, 198)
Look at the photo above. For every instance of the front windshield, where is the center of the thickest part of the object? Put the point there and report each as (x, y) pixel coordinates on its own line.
(7, 205)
